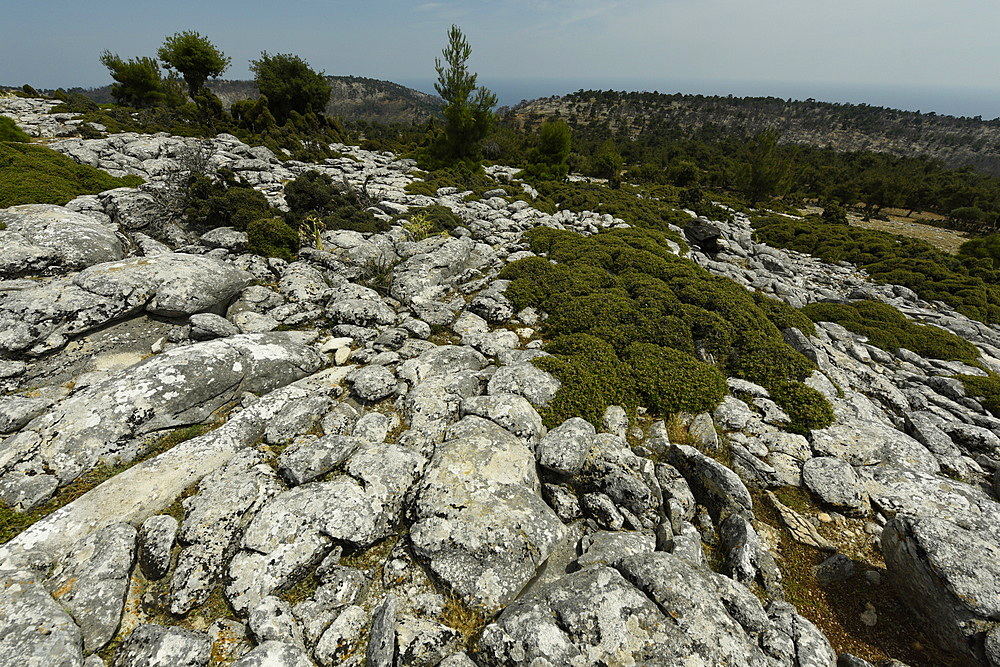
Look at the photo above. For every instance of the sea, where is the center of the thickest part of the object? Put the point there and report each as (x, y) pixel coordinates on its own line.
(952, 101)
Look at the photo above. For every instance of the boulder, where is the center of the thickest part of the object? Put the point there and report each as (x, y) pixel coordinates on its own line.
(47, 239)
(524, 379)
(181, 386)
(275, 654)
(834, 481)
(480, 491)
(92, 581)
(564, 448)
(35, 630)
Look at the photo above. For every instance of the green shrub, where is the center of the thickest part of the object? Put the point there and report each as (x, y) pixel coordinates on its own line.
(224, 202)
(31, 174)
(339, 207)
(984, 247)
(888, 329)
(669, 381)
(632, 324)
(985, 389)
(963, 282)
(592, 376)
(807, 408)
(271, 237)
(9, 131)
(784, 316)
(437, 219)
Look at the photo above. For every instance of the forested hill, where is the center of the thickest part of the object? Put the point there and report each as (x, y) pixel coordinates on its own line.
(844, 127)
(354, 98)
(351, 98)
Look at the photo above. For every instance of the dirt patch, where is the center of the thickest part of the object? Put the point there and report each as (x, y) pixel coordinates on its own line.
(914, 226)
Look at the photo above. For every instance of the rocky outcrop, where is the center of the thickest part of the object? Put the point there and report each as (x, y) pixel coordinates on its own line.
(379, 480)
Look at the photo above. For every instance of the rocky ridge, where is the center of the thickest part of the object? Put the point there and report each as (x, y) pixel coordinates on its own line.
(378, 486)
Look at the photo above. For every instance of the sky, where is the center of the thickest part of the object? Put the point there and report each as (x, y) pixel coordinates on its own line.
(920, 54)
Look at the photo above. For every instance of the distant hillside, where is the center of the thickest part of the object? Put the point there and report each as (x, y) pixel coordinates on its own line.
(352, 98)
(844, 127)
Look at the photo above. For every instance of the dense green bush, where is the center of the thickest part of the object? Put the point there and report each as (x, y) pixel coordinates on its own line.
(271, 237)
(9, 131)
(592, 376)
(313, 194)
(668, 381)
(963, 283)
(224, 202)
(31, 174)
(887, 328)
(784, 316)
(806, 407)
(985, 389)
(632, 323)
(984, 247)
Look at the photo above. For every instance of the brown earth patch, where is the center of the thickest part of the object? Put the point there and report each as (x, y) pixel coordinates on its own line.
(914, 226)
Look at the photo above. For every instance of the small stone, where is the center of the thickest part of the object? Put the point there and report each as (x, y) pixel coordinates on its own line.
(373, 383)
(837, 567)
(869, 616)
(160, 646)
(156, 537)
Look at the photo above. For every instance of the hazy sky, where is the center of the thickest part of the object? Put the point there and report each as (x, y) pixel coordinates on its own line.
(740, 44)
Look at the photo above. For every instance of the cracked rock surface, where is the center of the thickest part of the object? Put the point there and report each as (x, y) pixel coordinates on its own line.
(247, 461)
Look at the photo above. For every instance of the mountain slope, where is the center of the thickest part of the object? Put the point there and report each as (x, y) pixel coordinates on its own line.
(844, 127)
(353, 98)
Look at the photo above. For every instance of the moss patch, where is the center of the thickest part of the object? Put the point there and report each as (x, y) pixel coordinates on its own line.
(466, 619)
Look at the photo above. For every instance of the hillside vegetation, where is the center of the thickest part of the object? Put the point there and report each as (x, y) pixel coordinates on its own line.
(844, 127)
(37, 175)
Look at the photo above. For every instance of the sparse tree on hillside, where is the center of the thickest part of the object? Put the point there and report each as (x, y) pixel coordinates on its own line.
(468, 108)
(547, 160)
(766, 172)
(194, 57)
(608, 163)
(140, 82)
(290, 84)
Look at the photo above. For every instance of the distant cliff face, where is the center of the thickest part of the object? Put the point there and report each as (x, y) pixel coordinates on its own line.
(354, 98)
(844, 127)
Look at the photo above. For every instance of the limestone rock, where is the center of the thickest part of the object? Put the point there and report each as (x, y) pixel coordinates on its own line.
(274, 653)
(835, 483)
(160, 646)
(479, 492)
(156, 538)
(525, 380)
(35, 630)
(91, 583)
(514, 413)
(564, 448)
(42, 238)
